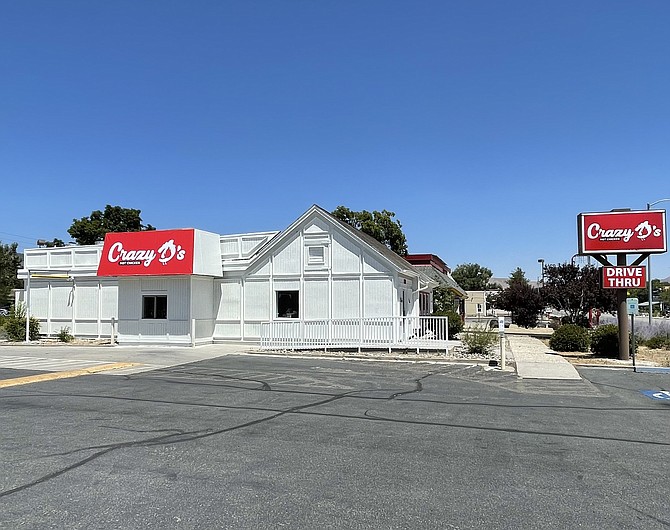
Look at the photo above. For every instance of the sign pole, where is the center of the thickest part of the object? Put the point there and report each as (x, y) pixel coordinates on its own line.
(632, 331)
(501, 332)
(622, 314)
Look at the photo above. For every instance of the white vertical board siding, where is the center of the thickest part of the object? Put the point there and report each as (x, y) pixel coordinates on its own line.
(286, 285)
(36, 259)
(378, 296)
(316, 299)
(61, 258)
(207, 257)
(134, 329)
(257, 300)
(230, 305)
(130, 302)
(229, 314)
(203, 298)
(86, 306)
(39, 304)
(60, 302)
(346, 298)
(287, 259)
(39, 299)
(87, 301)
(178, 299)
(371, 265)
(86, 257)
(109, 301)
(345, 255)
(230, 248)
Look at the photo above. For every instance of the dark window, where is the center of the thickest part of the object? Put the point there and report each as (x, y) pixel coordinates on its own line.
(287, 304)
(154, 306)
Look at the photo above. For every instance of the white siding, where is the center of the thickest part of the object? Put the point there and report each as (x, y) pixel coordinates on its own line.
(345, 256)
(39, 299)
(203, 298)
(109, 295)
(87, 257)
(346, 298)
(60, 298)
(257, 300)
(287, 260)
(378, 296)
(230, 306)
(86, 301)
(371, 265)
(316, 299)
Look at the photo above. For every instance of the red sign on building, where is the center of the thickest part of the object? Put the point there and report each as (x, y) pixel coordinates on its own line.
(624, 277)
(622, 232)
(152, 252)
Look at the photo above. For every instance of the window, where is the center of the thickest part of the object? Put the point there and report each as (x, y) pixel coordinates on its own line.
(287, 304)
(316, 255)
(154, 307)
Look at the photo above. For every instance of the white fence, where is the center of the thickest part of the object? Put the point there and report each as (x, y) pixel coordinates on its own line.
(382, 332)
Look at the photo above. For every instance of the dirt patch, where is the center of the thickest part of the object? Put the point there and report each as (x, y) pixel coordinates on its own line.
(644, 355)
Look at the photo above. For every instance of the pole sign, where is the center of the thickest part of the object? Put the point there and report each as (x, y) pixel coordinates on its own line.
(148, 253)
(625, 232)
(624, 277)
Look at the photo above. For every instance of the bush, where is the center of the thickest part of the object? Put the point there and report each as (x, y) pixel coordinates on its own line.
(570, 337)
(479, 340)
(64, 335)
(454, 322)
(15, 325)
(659, 342)
(605, 341)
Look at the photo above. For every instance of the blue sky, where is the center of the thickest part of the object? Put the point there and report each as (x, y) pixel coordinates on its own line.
(486, 126)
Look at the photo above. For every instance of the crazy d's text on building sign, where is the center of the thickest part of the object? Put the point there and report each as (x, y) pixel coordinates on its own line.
(152, 253)
(622, 232)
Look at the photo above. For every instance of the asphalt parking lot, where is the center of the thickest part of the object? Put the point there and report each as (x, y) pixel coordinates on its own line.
(263, 442)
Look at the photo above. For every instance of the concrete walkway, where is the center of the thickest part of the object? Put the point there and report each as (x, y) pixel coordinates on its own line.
(534, 360)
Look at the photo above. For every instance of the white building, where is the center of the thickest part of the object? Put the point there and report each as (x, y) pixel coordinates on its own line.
(194, 287)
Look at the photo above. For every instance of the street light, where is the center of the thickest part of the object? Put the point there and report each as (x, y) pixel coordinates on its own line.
(541, 262)
(650, 293)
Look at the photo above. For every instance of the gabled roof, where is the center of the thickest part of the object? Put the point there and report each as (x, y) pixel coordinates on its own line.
(443, 279)
(398, 262)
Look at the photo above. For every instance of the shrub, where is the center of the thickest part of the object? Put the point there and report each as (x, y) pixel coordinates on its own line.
(479, 340)
(454, 321)
(570, 337)
(15, 325)
(64, 335)
(605, 341)
(658, 342)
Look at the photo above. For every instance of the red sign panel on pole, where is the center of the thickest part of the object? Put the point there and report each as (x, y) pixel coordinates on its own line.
(622, 232)
(152, 253)
(624, 277)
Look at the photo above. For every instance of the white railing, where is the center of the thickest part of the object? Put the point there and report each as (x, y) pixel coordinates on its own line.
(382, 332)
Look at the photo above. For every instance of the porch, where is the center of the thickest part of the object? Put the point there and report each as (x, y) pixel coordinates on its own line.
(421, 332)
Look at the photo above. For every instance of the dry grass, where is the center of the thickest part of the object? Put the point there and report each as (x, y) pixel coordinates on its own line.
(644, 355)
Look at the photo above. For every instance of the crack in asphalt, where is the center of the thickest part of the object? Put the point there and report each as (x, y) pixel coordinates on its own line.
(178, 437)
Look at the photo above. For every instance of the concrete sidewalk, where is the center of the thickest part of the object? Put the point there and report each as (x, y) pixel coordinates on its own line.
(534, 360)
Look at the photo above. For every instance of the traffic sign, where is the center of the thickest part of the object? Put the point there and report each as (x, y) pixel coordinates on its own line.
(631, 304)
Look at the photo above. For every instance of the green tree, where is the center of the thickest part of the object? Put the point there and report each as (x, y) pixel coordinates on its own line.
(575, 290)
(380, 225)
(10, 262)
(89, 230)
(522, 299)
(472, 277)
(443, 300)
